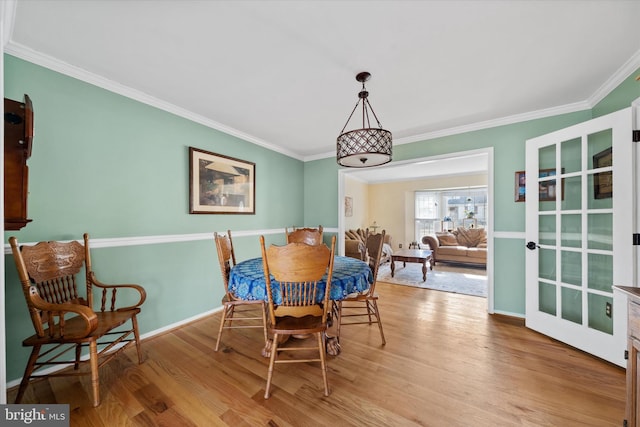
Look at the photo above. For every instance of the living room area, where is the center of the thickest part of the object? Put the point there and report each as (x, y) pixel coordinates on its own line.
(441, 204)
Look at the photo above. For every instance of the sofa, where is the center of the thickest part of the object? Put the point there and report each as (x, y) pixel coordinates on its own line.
(463, 245)
(354, 245)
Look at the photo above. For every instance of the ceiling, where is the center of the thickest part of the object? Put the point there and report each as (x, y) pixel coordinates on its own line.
(281, 74)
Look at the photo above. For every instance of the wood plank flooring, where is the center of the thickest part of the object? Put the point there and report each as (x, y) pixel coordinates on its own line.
(446, 363)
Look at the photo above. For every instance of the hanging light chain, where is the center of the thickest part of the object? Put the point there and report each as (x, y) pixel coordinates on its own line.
(366, 106)
(374, 114)
(350, 115)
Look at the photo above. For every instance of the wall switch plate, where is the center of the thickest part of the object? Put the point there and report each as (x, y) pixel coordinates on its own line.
(400, 245)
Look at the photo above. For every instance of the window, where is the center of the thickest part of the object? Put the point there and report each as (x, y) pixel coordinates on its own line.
(447, 209)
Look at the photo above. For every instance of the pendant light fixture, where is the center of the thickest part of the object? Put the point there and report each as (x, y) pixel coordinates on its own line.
(365, 147)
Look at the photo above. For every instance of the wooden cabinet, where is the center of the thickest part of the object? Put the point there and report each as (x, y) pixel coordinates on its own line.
(18, 137)
(633, 347)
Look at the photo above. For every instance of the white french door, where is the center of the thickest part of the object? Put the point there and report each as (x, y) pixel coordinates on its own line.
(579, 223)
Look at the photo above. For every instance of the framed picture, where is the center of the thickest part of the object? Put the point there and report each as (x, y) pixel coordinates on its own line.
(520, 186)
(547, 188)
(603, 181)
(220, 184)
(348, 206)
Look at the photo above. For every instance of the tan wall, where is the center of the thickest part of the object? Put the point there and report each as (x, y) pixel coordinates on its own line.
(391, 204)
(359, 193)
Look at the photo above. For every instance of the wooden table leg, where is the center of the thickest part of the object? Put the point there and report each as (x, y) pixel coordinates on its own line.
(266, 351)
(393, 267)
(332, 345)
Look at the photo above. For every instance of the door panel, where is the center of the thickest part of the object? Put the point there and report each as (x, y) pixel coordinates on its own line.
(579, 208)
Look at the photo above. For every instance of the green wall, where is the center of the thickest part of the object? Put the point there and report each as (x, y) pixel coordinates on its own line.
(110, 165)
(113, 167)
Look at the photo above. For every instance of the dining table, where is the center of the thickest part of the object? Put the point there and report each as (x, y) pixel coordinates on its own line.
(350, 275)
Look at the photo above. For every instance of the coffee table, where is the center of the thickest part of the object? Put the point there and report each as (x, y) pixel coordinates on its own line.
(420, 256)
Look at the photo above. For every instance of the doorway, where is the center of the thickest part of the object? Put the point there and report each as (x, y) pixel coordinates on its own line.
(358, 189)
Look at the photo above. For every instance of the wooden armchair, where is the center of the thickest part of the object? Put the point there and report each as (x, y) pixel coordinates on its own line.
(64, 320)
(298, 270)
(231, 311)
(353, 309)
(310, 236)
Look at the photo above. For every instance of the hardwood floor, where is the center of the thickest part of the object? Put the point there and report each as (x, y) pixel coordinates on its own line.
(446, 363)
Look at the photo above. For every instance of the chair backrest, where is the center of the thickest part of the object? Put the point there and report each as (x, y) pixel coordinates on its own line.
(48, 271)
(374, 249)
(297, 269)
(226, 257)
(310, 236)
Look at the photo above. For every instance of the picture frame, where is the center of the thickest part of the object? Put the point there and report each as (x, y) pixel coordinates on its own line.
(520, 186)
(603, 181)
(220, 184)
(547, 188)
(348, 206)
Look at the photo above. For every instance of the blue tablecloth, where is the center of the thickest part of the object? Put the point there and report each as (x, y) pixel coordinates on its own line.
(349, 275)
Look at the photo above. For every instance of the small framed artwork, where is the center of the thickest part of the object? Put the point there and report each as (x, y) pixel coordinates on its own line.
(520, 186)
(220, 184)
(348, 206)
(547, 187)
(603, 181)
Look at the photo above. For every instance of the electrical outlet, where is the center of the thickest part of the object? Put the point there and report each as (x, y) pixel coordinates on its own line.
(400, 245)
(607, 309)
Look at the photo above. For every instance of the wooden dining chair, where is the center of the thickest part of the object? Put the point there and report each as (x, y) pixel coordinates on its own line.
(297, 269)
(65, 320)
(235, 309)
(356, 307)
(310, 236)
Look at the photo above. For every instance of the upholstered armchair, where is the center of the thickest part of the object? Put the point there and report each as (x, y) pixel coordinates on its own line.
(354, 245)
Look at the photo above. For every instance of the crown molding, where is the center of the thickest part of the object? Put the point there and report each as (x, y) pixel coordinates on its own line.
(517, 118)
(616, 79)
(30, 55)
(46, 61)
(612, 82)
(503, 121)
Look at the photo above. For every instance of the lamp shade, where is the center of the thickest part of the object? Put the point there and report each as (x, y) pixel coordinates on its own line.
(361, 148)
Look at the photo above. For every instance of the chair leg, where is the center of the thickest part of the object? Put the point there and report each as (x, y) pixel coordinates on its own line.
(370, 311)
(76, 365)
(272, 362)
(136, 334)
(33, 358)
(224, 319)
(377, 314)
(338, 319)
(263, 307)
(323, 361)
(95, 379)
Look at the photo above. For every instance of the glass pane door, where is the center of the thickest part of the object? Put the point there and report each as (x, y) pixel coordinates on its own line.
(577, 252)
